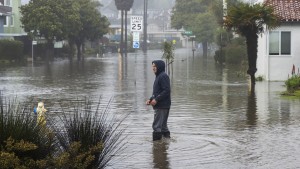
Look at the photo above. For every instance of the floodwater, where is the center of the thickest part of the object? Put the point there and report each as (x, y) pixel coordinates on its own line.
(215, 122)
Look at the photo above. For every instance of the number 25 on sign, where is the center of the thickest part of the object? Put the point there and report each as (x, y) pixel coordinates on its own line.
(136, 23)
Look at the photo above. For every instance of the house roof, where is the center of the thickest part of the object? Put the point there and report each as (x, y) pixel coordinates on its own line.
(287, 10)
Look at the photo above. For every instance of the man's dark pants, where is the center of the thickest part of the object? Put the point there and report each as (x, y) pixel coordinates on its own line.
(160, 126)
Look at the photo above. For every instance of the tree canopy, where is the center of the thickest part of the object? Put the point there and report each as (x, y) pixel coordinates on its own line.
(245, 18)
(71, 20)
(50, 19)
(196, 16)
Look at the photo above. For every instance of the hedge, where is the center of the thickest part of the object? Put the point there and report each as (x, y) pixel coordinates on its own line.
(11, 50)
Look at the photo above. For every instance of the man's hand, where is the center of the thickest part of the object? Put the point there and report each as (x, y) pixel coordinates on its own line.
(151, 102)
(148, 102)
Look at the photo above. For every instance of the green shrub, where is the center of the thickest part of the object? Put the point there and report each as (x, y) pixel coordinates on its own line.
(11, 50)
(84, 136)
(293, 83)
(22, 142)
(10, 159)
(259, 78)
(235, 54)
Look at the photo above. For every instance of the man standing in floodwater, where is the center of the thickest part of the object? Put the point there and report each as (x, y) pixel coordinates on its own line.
(160, 101)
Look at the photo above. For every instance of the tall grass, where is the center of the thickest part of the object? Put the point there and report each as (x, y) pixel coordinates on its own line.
(94, 127)
(86, 135)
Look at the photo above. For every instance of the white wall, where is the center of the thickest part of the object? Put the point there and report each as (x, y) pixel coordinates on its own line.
(262, 57)
(278, 68)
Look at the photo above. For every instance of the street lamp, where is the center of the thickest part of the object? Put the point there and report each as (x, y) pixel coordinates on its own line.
(145, 26)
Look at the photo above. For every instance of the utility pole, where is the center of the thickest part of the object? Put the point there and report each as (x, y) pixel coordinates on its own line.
(145, 26)
(224, 9)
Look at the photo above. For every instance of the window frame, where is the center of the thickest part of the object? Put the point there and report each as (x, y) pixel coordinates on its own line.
(280, 32)
(6, 21)
(10, 3)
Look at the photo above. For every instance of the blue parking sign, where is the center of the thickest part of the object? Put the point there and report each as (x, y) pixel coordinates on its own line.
(136, 44)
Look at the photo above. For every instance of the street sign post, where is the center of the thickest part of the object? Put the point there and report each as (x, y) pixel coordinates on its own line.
(33, 43)
(136, 44)
(187, 33)
(136, 36)
(136, 23)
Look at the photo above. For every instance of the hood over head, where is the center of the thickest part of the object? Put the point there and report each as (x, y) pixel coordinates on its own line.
(160, 65)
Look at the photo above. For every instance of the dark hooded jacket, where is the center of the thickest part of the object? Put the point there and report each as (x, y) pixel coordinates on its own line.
(161, 87)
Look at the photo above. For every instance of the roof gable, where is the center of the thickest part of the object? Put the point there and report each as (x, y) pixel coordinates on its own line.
(287, 10)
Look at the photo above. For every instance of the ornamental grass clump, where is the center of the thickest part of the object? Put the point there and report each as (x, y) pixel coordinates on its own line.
(85, 127)
(23, 144)
(84, 136)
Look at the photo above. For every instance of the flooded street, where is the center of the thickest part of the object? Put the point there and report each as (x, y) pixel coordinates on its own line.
(215, 122)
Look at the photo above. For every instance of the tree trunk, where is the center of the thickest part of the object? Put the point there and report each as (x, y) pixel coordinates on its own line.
(49, 51)
(78, 45)
(251, 41)
(71, 47)
(204, 46)
(122, 30)
(83, 50)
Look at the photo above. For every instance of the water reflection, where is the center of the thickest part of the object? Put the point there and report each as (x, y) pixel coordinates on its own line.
(251, 109)
(160, 154)
(215, 121)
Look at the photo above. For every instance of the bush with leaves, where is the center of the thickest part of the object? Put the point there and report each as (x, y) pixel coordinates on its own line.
(84, 137)
(11, 50)
(293, 83)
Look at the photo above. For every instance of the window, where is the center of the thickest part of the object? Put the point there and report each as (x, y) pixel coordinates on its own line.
(280, 43)
(7, 2)
(5, 24)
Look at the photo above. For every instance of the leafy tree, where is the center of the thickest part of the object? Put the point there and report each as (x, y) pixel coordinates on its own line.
(52, 20)
(94, 25)
(168, 54)
(204, 29)
(217, 9)
(196, 16)
(249, 21)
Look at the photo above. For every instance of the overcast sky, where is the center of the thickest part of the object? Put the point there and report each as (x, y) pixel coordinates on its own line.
(24, 1)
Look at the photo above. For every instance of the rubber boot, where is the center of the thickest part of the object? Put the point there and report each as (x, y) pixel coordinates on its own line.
(156, 136)
(166, 134)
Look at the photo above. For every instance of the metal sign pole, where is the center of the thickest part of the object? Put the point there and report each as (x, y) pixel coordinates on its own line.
(33, 43)
(32, 53)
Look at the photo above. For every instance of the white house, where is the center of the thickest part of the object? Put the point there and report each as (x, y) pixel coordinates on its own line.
(279, 49)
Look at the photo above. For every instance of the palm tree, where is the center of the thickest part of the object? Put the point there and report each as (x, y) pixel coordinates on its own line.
(250, 21)
(124, 5)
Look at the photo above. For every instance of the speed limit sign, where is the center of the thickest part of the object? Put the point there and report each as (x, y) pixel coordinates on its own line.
(136, 23)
